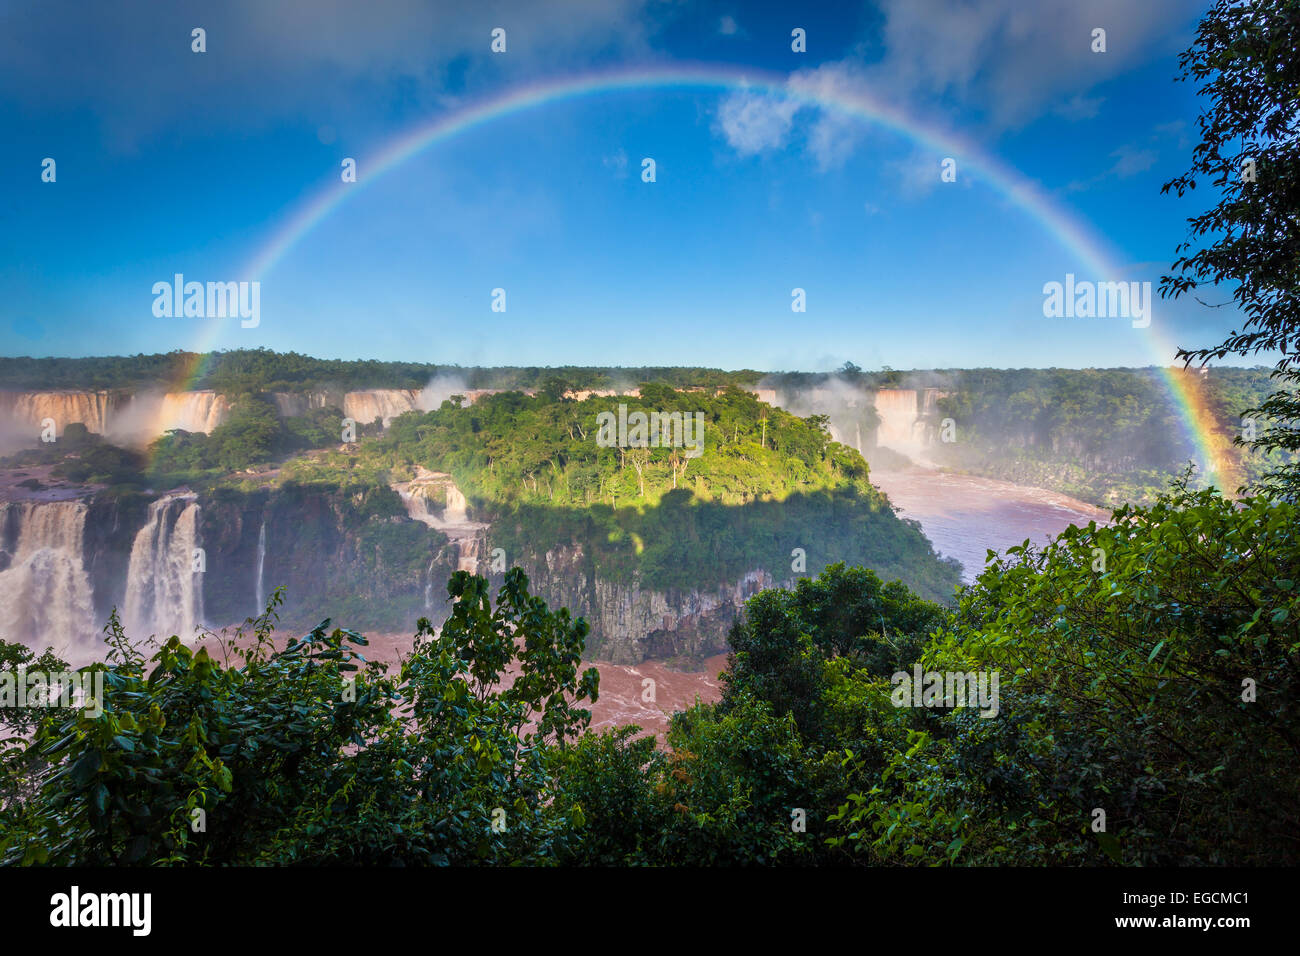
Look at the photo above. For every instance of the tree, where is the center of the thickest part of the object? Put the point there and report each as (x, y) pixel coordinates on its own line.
(781, 645)
(306, 754)
(1244, 57)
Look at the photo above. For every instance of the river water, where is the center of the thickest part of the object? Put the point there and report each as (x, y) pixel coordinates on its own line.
(964, 516)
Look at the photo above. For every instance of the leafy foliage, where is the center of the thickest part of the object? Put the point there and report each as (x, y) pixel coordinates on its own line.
(765, 483)
(306, 753)
(1127, 689)
(1244, 62)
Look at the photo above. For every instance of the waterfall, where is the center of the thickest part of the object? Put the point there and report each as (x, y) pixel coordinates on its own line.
(259, 587)
(457, 507)
(466, 536)
(26, 411)
(164, 593)
(200, 411)
(45, 593)
(365, 406)
(454, 520)
(857, 437)
(901, 427)
(147, 415)
(469, 550)
(417, 507)
(291, 404)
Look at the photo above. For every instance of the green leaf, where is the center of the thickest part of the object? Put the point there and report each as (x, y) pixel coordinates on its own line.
(86, 767)
(1110, 846)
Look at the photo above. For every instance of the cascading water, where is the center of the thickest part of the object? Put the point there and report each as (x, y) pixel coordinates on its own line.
(260, 588)
(382, 403)
(466, 536)
(45, 593)
(901, 427)
(417, 507)
(457, 507)
(147, 415)
(200, 411)
(23, 414)
(164, 592)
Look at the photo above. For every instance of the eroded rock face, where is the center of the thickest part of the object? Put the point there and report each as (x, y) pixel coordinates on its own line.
(334, 558)
(337, 558)
(631, 624)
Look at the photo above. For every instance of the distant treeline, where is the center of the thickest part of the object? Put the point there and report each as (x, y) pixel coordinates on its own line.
(1105, 435)
(247, 371)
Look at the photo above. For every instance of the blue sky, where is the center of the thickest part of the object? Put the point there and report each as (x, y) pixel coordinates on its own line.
(171, 161)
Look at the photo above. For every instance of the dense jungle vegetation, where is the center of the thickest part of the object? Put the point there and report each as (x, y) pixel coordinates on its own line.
(764, 483)
(1121, 691)
(1146, 710)
(1107, 436)
(250, 371)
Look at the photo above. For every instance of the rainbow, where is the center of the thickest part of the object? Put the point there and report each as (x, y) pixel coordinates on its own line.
(1060, 222)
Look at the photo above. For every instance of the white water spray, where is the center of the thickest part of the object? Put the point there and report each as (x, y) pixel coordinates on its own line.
(260, 588)
(45, 593)
(164, 592)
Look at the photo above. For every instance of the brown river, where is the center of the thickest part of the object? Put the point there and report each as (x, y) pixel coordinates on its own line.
(964, 516)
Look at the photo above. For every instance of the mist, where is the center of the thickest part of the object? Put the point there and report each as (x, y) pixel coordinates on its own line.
(890, 425)
(439, 389)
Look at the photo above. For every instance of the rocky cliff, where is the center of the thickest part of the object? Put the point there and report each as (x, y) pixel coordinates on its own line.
(629, 623)
(375, 559)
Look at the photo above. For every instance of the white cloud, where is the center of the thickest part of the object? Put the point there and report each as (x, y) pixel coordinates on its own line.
(1009, 58)
(727, 26)
(130, 61)
(918, 173)
(753, 122)
(1130, 161)
(1002, 62)
(833, 136)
